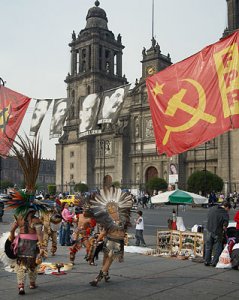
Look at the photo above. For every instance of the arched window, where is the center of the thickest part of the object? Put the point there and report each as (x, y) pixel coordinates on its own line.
(150, 173)
(107, 181)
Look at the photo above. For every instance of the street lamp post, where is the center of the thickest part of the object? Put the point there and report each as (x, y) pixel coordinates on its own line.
(104, 146)
(72, 184)
(205, 169)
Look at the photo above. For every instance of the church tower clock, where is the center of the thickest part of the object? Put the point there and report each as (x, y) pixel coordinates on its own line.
(153, 60)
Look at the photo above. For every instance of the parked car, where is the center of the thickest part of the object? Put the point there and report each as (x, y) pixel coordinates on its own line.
(72, 200)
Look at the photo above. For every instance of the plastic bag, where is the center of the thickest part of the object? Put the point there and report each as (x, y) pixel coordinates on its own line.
(224, 259)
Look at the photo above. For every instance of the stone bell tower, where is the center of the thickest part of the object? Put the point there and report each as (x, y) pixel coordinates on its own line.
(232, 16)
(96, 61)
(96, 66)
(96, 56)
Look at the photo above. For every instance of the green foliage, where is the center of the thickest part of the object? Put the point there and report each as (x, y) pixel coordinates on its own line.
(51, 189)
(22, 185)
(6, 184)
(81, 187)
(116, 184)
(156, 184)
(205, 182)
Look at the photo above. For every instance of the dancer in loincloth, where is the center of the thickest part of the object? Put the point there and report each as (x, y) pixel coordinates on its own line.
(28, 244)
(111, 209)
(81, 235)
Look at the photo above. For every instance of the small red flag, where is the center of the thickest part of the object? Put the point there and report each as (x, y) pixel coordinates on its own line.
(196, 99)
(13, 107)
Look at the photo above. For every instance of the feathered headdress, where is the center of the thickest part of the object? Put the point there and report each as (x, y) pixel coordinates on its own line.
(23, 203)
(111, 208)
(28, 154)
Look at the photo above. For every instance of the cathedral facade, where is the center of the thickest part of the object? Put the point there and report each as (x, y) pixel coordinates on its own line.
(125, 151)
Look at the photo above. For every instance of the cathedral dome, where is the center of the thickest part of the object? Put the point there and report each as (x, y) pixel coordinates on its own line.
(96, 17)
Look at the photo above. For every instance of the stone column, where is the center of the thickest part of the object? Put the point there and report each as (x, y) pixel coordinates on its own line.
(87, 59)
(111, 62)
(73, 61)
(95, 57)
(119, 64)
(79, 59)
(103, 59)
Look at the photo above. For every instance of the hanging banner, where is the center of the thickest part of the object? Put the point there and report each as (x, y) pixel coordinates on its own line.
(173, 173)
(112, 104)
(88, 115)
(58, 117)
(41, 107)
(196, 99)
(13, 107)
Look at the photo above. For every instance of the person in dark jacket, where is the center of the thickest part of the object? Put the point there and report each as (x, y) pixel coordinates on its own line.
(217, 223)
(1, 210)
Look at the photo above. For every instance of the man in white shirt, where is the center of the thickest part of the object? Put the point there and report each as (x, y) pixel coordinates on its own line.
(139, 230)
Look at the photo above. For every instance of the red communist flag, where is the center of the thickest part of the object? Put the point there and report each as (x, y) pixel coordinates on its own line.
(196, 99)
(13, 107)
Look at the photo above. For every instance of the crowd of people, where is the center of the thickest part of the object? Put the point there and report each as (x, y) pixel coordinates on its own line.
(219, 235)
(100, 225)
(215, 198)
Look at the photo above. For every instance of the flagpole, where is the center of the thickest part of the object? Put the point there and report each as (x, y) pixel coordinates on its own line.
(152, 18)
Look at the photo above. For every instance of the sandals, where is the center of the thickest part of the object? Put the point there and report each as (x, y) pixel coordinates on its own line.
(32, 286)
(106, 276)
(21, 290)
(97, 279)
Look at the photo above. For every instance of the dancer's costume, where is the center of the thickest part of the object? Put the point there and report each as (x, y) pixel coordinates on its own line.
(27, 245)
(81, 236)
(95, 247)
(111, 209)
(51, 220)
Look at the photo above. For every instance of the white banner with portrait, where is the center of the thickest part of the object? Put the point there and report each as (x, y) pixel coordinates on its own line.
(58, 117)
(40, 110)
(89, 107)
(173, 173)
(112, 104)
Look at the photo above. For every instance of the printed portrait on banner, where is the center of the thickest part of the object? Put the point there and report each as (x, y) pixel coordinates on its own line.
(173, 173)
(88, 114)
(58, 117)
(40, 110)
(112, 104)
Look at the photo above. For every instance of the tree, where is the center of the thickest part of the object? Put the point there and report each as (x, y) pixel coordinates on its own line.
(156, 184)
(6, 184)
(116, 184)
(205, 182)
(81, 187)
(51, 189)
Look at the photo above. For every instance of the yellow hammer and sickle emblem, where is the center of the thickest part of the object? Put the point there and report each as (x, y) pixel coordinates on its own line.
(175, 102)
(4, 116)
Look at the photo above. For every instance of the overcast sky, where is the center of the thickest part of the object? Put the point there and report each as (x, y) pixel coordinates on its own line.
(34, 51)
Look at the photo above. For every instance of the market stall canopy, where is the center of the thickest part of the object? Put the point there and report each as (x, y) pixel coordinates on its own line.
(178, 197)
